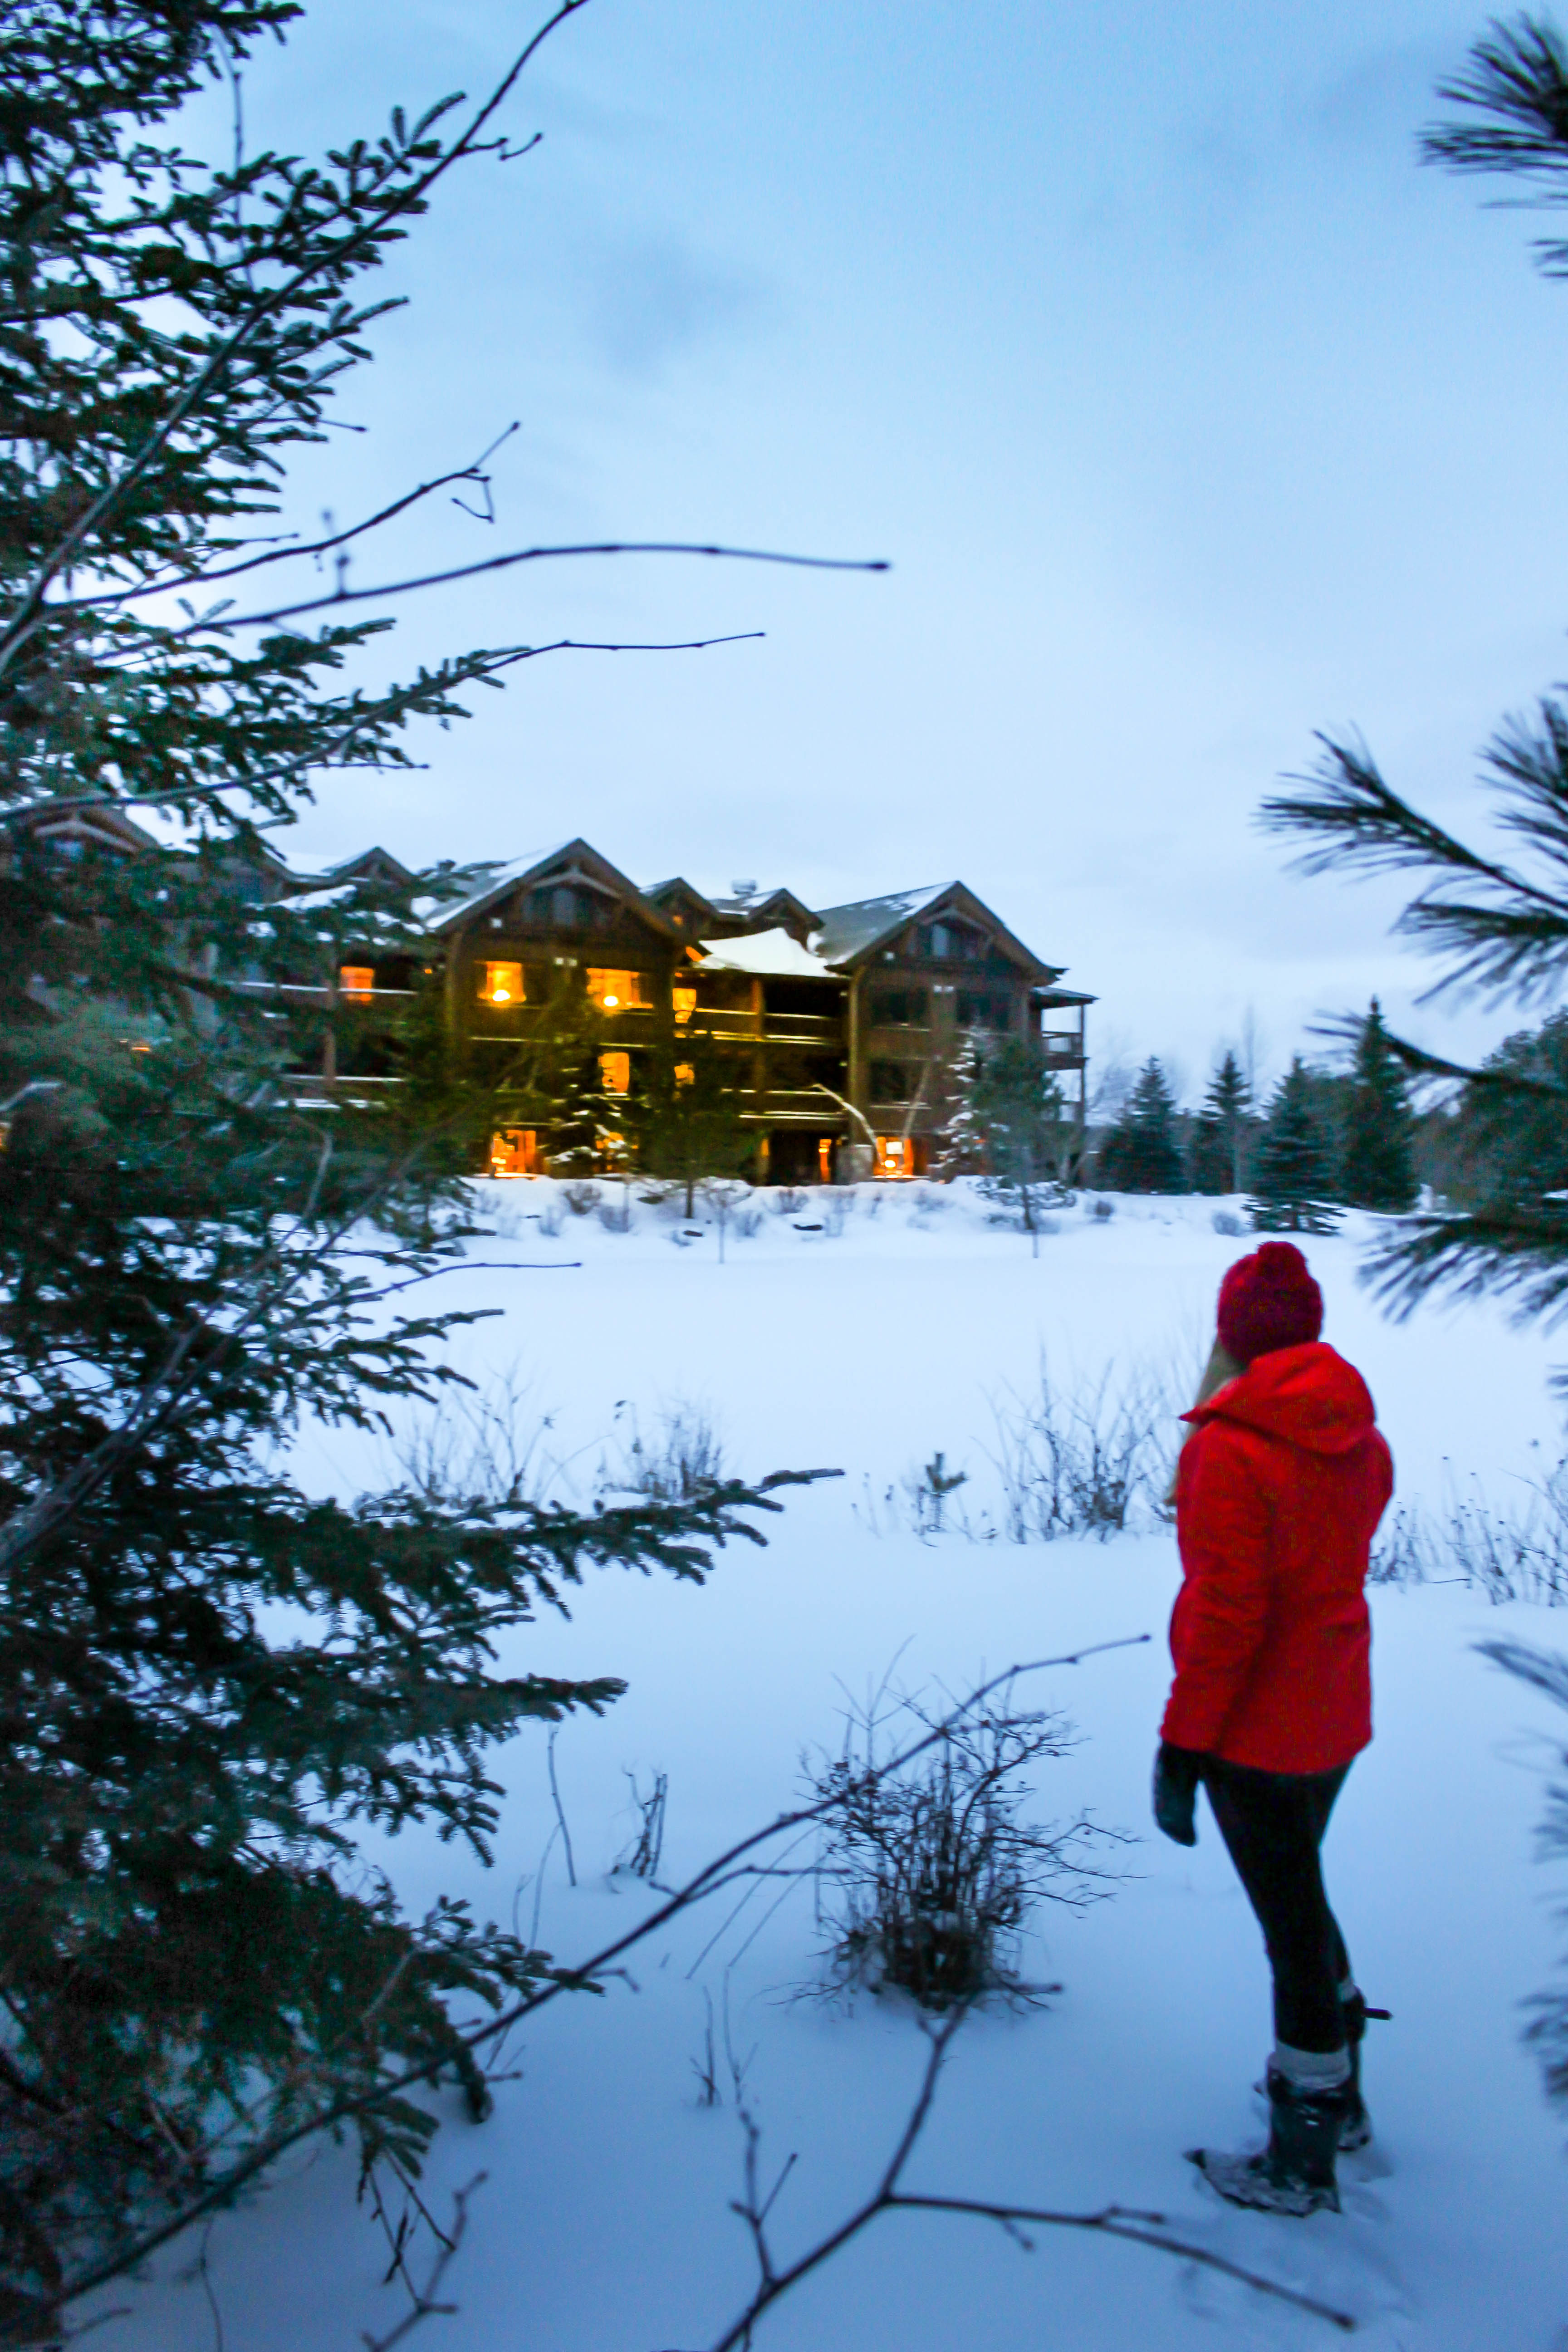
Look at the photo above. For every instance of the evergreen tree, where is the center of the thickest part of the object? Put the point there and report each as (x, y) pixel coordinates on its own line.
(1143, 1152)
(1378, 1133)
(1222, 1130)
(1293, 1179)
(1511, 1129)
(1498, 924)
(210, 1677)
(686, 1120)
(1009, 1125)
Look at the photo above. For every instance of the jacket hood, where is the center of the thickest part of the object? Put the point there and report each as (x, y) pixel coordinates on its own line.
(1307, 1396)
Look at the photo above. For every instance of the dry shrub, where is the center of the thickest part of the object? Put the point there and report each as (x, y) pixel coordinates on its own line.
(929, 1874)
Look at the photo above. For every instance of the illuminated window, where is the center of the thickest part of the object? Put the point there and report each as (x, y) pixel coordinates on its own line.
(685, 1073)
(685, 1002)
(895, 1156)
(619, 991)
(515, 1153)
(615, 1073)
(824, 1158)
(502, 984)
(357, 981)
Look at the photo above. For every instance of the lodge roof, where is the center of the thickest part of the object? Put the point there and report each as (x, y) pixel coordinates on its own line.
(751, 929)
(849, 931)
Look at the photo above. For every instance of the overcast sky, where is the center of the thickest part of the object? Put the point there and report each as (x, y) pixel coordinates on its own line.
(1193, 415)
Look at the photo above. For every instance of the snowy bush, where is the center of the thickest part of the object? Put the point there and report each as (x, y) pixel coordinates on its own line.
(580, 1196)
(478, 1445)
(1079, 1463)
(1509, 1552)
(683, 1461)
(929, 1874)
(615, 1216)
(1226, 1221)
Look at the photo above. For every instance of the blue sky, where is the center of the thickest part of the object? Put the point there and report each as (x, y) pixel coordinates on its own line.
(1192, 414)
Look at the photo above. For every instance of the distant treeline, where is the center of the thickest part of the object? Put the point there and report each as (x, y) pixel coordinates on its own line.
(1331, 1138)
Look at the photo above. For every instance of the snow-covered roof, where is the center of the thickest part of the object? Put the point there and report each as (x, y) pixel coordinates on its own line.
(775, 954)
(861, 924)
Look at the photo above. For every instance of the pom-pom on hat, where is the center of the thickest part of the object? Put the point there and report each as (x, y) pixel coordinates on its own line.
(1266, 1301)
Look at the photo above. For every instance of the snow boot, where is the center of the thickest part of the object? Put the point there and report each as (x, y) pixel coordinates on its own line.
(1295, 2173)
(1355, 2126)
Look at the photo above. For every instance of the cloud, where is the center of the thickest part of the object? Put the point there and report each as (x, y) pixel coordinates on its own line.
(657, 299)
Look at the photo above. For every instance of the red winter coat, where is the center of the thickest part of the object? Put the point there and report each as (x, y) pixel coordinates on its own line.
(1280, 1492)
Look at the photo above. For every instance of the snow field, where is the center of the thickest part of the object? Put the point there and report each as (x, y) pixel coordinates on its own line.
(603, 2223)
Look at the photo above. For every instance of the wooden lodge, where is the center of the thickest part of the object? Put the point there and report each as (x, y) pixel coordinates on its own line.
(845, 1020)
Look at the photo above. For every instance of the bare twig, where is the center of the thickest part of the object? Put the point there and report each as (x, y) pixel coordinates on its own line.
(424, 2303)
(333, 753)
(888, 2197)
(343, 595)
(560, 1808)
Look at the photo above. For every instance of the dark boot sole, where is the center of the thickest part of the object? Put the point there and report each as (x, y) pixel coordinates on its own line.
(1247, 2181)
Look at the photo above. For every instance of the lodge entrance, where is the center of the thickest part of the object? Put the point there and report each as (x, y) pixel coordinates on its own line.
(796, 1156)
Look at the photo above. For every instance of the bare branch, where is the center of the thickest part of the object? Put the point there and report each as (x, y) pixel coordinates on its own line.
(487, 665)
(529, 555)
(425, 2304)
(1110, 2221)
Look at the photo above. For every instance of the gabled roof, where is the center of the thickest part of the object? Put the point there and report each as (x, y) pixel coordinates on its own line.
(660, 894)
(375, 863)
(852, 933)
(849, 931)
(103, 823)
(572, 861)
(776, 954)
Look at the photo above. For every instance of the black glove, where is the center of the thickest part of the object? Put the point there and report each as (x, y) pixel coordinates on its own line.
(1177, 1771)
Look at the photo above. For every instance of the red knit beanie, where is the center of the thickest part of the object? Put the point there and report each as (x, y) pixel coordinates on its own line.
(1266, 1301)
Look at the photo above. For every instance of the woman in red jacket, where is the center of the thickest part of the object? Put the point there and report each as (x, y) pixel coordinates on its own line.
(1281, 1484)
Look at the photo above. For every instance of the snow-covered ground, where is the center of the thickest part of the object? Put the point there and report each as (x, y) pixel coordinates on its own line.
(604, 2223)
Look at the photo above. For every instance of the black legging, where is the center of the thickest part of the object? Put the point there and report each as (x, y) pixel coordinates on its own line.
(1273, 1824)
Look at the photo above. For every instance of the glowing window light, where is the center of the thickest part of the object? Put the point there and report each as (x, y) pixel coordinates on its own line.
(502, 984)
(617, 991)
(615, 1073)
(685, 1002)
(357, 982)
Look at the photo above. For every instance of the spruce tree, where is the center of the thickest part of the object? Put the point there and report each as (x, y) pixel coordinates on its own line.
(1009, 1125)
(1377, 1132)
(211, 1677)
(1221, 1131)
(1143, 1151)
(1293, 1175)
